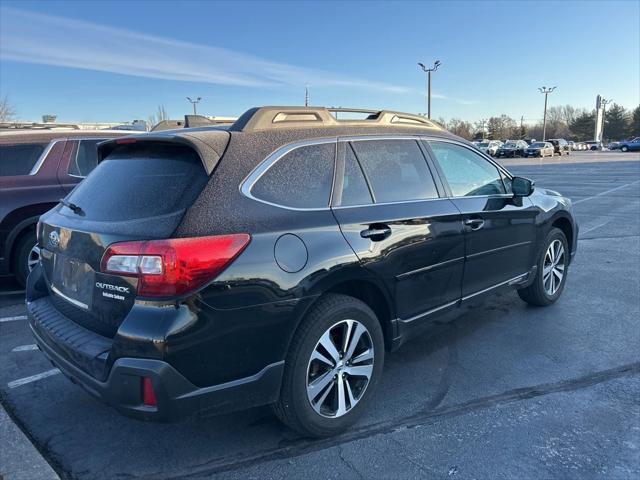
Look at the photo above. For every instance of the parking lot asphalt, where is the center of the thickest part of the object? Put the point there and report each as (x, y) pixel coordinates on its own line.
(506, 390)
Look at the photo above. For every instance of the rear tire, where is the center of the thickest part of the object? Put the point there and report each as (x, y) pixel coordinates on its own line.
(308, 363)
(21, 258)
(624, 148)
(551, 274)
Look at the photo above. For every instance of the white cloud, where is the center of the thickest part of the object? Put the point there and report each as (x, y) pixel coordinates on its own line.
(43, 39)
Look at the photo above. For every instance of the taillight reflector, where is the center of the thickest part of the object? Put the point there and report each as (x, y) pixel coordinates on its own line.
(148, 393)
(173, 267)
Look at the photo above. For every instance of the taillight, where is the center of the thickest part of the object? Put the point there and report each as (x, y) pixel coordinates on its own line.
(172, 267)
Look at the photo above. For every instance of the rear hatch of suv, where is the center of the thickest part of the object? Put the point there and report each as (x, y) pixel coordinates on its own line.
(137, 194)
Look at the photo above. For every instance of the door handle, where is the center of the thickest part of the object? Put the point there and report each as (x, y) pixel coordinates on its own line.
(474, 223)
(376, 233)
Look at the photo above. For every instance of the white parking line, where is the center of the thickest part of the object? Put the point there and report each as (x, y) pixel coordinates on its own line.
(25, 348)
(13, 319)
(605, 192)
(33, 378)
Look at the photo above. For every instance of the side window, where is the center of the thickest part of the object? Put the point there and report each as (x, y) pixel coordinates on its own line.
(19, 159)
(300, 179)
(396, 170)
(86, 158)
(354, 186)
(466, 172)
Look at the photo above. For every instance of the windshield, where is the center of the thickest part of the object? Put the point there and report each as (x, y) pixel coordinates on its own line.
(510, 145)
(537, 145)
(483, 144)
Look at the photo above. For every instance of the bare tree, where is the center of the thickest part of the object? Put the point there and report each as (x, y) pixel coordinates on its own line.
(461, 128)
(159, 116)
(7, 111)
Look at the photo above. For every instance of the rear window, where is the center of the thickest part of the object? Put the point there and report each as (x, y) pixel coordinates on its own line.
(300, 179)
(19, 159)
(86, 158)
(140, 182)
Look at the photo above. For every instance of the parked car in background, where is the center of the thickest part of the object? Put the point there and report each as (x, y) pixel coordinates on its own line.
(540, 149)
(594, 145)
(512, 148)
(37, 169)
(164, 301)
(560, 145)
(580, 146)
(626, 145)
(572, 145)
(489, 147)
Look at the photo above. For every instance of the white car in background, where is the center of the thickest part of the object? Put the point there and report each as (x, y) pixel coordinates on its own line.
(489, 147)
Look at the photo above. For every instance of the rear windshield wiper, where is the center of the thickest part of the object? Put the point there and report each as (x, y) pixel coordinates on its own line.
(73, 207)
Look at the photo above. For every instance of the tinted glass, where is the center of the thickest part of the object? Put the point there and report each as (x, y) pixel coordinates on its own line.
(354, 186)
(300, 179)
(86, 158)
(19, 159)
(396, 169)
(467, 172)
(140, 183)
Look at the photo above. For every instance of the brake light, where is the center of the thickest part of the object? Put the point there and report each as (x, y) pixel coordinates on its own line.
(172, 267)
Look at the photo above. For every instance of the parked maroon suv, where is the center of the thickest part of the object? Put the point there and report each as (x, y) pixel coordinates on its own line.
(37, 169)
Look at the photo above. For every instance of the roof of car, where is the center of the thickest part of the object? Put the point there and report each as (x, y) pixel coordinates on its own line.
(38, 136)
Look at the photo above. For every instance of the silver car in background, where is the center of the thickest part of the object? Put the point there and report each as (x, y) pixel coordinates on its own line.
(489, 147)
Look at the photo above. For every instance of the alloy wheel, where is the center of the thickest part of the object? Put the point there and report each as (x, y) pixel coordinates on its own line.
(553, 267)
(340, 368)
(34, 257)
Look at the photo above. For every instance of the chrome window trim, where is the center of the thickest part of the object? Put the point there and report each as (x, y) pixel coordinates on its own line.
(250, 180)
(43, 156)
(254, 176)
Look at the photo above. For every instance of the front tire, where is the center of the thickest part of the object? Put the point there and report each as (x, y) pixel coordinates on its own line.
(333, 366)
(551, 274)
(624, 148)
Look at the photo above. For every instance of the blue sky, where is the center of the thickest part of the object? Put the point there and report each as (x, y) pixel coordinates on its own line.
(116, 61)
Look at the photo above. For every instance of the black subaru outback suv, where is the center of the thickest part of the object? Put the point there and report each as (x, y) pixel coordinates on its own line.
(277, 260)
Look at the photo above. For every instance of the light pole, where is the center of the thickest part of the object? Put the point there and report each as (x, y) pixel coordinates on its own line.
(546, 92)
(194, 103)
(428, 71)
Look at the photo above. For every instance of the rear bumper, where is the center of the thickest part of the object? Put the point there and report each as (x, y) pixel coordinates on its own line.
(177, 398)
(83, 356)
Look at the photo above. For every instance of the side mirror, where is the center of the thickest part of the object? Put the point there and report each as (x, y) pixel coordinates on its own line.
(522, 187)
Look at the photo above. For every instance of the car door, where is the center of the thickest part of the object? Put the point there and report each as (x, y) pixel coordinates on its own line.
(499, 228)
(391, 212)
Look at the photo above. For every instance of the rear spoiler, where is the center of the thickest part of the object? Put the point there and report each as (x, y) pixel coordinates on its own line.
(209, 152)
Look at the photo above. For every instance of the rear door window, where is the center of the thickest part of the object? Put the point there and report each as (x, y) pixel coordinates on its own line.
(354, 186)
(396, 170)
(86, 158)
(466, 172)
(302, 178)
(140, 181)
(19, 159)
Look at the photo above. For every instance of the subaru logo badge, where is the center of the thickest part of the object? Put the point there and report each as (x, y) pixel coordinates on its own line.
(54, 239)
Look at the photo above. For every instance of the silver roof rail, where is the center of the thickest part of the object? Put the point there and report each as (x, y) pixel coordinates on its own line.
(271, 118)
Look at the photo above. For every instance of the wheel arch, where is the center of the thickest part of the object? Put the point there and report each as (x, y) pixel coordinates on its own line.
(564, 223)
(369, 290)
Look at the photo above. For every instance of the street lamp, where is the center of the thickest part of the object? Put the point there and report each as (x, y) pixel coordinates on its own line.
(546, 92)
(428, 71)
(194, 103)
